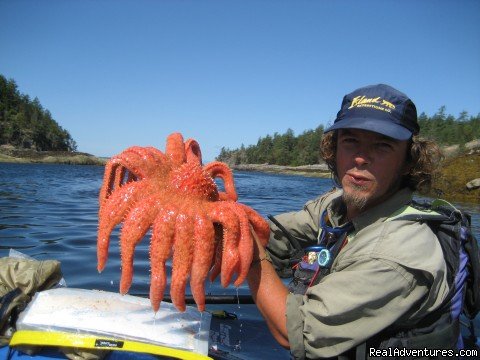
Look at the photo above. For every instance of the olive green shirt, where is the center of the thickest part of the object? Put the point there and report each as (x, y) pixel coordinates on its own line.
(389, 272)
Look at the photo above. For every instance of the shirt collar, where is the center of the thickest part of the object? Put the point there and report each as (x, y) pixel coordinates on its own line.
(337, 209)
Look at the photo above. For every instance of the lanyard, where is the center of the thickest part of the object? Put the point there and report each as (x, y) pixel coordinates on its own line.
(330, 241)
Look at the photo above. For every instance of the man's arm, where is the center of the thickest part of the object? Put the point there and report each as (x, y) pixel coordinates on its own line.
(269, 293)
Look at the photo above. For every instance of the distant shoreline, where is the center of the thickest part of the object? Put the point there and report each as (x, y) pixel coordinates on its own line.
(317, 170)
(9, 154)
(78, 158)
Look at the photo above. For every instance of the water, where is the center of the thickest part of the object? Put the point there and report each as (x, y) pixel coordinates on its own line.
(50, 212)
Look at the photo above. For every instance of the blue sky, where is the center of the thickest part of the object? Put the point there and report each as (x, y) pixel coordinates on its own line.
(121, 73)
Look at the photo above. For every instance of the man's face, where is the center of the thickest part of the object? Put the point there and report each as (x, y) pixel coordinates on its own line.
(370, 167)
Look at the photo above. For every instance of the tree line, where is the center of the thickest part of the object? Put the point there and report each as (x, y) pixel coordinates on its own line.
(304, 149)
(279, 149)
(24, 123)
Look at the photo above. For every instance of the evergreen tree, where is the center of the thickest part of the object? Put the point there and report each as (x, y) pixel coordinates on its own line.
(24, 123)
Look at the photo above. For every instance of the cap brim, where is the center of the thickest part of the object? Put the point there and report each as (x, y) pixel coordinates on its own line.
(386, 128)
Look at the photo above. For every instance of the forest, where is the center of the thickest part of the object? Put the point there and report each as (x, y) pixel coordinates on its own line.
(303, 149)
(24, 123)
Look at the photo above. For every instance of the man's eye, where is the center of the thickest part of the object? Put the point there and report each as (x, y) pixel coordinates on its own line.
(384, 145)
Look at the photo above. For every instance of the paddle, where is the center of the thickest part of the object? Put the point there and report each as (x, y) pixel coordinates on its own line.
(298, 250)
(212, 299)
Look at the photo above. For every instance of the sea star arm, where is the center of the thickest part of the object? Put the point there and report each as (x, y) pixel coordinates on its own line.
(259, 224)
(112, 213)
(193, 152)
(182, 259)
(231, 235)
(245, 245)
(138, 161)
(135, 226)
(175, 149)
(218, 169)
(204, 247)
(160, 249)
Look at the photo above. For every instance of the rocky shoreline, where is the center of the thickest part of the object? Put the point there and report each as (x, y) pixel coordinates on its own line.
(11, 154)
(459, 178)
(317, 170)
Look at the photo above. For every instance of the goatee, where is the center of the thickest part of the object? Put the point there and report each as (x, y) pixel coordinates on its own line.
(354, 198)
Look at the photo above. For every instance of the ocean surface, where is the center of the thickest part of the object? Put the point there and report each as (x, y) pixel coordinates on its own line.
(50, 212)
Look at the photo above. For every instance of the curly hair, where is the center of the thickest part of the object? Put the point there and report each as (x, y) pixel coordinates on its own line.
(423, 157)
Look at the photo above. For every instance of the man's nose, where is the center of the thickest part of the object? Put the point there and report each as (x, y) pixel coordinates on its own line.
(362, 156)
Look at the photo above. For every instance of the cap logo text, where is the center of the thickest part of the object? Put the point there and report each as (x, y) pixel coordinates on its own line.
(376, 103)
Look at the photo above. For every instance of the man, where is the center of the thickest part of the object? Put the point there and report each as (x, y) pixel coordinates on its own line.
(375, 276)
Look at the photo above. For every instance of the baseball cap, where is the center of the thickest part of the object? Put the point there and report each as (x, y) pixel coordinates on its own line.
(378, 108)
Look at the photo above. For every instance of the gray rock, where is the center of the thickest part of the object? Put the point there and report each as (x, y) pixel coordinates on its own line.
(474, 184)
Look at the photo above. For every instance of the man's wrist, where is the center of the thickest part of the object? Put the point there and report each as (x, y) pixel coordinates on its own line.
(265, 257)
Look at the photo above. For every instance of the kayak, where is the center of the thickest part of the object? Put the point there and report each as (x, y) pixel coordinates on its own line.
(62, 322)
(124, 327)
